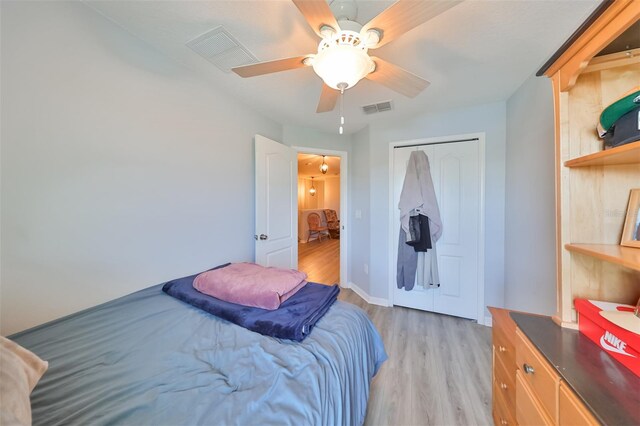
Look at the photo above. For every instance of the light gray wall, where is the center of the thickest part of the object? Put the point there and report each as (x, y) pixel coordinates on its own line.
(359, 236)
(120, 169)
(530, 280)
(491, 119)
(312, 138)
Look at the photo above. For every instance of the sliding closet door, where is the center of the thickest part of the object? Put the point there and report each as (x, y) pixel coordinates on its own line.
(456, 177)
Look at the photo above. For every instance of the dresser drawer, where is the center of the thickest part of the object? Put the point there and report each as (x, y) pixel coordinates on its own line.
(529, 411)
(572, 411)
(537, 373)
(504, 348)
(502, 414)
(505, 384)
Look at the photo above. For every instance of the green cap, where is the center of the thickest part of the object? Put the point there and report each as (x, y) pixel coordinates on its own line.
(626, 103)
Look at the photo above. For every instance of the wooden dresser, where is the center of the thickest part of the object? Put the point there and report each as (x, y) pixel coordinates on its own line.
(546, 375)
(504, 368)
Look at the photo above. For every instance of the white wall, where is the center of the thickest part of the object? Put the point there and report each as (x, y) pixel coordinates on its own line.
(305, 137)
(332, 193)
(359, 190)
(301, 194)
(530, 256)
(491, 119)
(120, 170)
(312, 201)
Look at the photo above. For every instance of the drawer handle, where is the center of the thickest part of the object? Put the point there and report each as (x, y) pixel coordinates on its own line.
(502, 348)
(503, 422)
(503, 386)
(528, 369)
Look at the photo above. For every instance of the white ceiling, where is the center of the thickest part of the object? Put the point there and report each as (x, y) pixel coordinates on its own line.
(476, 52)
(309, 165)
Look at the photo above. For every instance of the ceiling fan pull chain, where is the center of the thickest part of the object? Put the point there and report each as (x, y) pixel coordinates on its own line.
(341, 129)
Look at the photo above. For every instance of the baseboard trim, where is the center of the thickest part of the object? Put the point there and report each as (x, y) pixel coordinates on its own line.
(488, 321)
(369, 299)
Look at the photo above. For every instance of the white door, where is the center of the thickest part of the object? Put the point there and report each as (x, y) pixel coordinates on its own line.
(455, 170)
(276, 195)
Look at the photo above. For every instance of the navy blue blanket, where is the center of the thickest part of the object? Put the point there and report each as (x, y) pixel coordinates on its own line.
(293, 320)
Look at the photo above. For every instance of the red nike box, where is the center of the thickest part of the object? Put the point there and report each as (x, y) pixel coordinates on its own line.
(621, 344)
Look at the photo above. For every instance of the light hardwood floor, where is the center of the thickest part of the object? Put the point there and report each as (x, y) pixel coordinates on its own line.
(438, 371)
(320, 260)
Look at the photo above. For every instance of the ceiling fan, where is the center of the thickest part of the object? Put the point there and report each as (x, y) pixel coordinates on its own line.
(343, 60)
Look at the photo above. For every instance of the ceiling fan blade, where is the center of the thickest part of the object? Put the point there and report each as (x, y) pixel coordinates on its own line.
(405, 15)
(317, 13)
(397, 79)
(328, 99)
(271, 66)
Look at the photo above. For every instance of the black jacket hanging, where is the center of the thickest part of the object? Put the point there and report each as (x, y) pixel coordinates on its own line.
(420, 234)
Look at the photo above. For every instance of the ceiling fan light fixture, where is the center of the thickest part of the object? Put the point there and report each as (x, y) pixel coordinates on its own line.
(342, 60)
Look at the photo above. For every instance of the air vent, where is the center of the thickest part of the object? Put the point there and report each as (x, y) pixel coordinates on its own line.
(379, 107)
(222, 49)
(370, 109)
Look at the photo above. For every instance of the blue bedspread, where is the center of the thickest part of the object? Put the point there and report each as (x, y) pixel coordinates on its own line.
(148, 358)
(294, 320)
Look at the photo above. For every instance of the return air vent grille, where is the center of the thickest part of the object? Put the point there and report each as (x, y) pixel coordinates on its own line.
(379, 107)
(222, 49)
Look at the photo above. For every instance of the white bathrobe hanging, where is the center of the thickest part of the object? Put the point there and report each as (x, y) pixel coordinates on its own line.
(418, 196)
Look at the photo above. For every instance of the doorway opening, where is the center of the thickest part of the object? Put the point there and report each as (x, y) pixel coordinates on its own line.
(321, 237)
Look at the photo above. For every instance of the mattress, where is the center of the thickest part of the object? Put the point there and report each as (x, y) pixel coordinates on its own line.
(148, 358)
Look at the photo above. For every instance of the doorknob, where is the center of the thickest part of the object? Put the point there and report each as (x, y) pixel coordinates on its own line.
(263, 237)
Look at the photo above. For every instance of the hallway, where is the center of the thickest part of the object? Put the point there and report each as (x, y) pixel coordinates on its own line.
(320, 260)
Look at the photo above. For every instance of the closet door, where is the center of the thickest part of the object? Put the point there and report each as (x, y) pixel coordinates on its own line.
(419, 297)
(457, 181)
(456, 177)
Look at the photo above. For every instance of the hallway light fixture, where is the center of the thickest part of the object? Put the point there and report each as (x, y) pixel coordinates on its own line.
(312, 190)
(324, 167)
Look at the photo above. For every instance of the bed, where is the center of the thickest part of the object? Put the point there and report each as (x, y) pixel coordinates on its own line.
(148, 358)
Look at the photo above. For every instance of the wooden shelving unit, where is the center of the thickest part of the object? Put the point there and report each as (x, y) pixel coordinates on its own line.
(625, 154)
(628, 257)
(592, 184)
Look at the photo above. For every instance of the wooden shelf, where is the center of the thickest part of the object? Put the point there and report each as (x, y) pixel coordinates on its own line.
(628, 257)
(625, 154)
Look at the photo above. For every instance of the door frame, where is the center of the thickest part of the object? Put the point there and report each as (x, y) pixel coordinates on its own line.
(344, 207)
(480, 315)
